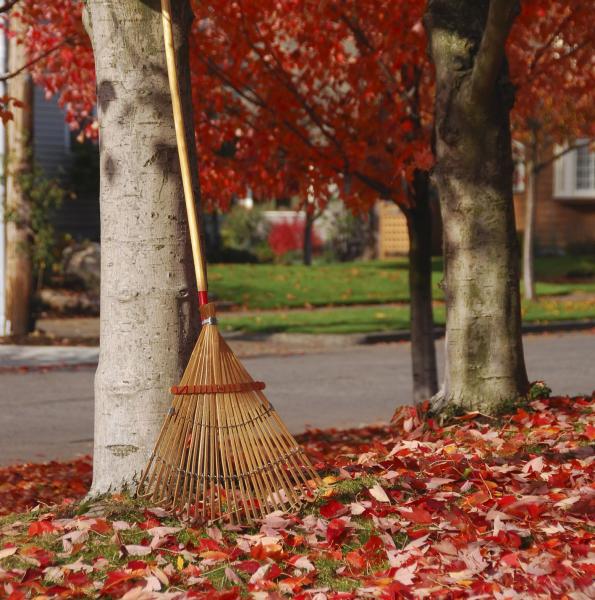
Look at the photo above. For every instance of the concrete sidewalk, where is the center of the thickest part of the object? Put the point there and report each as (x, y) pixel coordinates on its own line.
(39, 356)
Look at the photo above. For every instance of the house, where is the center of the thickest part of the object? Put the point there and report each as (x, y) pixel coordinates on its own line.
(565, 208)
(52, 151)
(565, 203)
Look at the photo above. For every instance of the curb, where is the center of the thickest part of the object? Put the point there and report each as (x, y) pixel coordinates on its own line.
(318, 341)
(338, 340)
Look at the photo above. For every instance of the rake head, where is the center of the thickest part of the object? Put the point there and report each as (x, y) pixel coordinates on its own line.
(223, 451)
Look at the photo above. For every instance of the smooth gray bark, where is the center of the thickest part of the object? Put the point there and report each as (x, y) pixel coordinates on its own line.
(148, 322)
(529, 230)
(484, 356)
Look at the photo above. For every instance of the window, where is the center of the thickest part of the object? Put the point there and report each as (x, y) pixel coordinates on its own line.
(518, 176)
(584, 168)
(574, 173)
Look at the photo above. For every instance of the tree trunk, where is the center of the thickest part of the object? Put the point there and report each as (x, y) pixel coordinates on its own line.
(423, 350)
(484, 356)
(19, 272)
(308, 232)
(529, 233)
(148, 321)
(370, 251)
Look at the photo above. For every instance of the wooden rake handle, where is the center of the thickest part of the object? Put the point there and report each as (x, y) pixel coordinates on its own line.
(172, 73)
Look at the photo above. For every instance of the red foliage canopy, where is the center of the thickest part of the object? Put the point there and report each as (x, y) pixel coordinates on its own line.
(291, 97)
(551, 58)
(330, 98)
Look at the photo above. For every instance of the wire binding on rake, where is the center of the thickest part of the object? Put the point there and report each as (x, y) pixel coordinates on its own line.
(213, 388)
(223, 451)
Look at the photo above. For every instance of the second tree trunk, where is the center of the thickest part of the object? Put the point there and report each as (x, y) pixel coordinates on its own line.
(423, 351)
(485, 368)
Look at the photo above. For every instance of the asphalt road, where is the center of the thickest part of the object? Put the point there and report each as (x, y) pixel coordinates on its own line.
(46, 416)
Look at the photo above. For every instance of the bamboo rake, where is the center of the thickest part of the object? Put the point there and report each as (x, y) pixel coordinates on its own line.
(223, 451)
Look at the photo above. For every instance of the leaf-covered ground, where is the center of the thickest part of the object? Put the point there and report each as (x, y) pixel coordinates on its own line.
(501, 509)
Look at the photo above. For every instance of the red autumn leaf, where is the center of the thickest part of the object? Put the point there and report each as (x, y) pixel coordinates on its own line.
(417, 515)
(261, 551)
(511, 559)
(505, 501)
(41, 528)
(590, 432)
(55, 591)
(331, 509)
(149, 523)
(355, 560)
(273, 572)
(205, 544)
(79, 579)
(101, 526)
(335, 530)
(136, 564)
(374, 545)
(247, 566)
(117, 582)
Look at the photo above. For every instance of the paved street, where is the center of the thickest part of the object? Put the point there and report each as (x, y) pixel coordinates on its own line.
(50, 415)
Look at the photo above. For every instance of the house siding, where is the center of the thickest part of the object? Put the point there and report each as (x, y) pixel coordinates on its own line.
(560, 224)
(51, 138)
(53, 152)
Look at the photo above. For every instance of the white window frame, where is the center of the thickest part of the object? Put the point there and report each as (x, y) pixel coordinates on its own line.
(565, 176)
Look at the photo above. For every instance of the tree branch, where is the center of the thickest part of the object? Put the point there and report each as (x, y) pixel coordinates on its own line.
(543, 49)
(554, 157)
(8, 5)
(491, 50)
(7, 76)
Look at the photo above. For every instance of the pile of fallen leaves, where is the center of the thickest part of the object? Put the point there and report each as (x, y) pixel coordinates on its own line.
(499, 509)
(24, 486)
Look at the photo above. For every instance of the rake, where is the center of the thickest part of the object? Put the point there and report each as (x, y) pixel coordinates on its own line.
(223, 452)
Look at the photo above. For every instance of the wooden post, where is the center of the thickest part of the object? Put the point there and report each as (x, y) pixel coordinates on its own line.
(19, 283)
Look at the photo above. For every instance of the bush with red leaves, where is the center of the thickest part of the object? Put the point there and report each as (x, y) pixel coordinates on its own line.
(288, 236)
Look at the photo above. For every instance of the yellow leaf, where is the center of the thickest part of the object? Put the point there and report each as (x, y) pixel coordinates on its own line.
(180, 563)
(329, 480)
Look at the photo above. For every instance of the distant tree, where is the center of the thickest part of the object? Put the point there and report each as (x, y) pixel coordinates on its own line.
(294, 99)
(551, 51)
(319, 100)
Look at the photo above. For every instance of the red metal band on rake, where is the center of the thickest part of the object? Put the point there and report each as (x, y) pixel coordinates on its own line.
(214, 388)
(203, 298)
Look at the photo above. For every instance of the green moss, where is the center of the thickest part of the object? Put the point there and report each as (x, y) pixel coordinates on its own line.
(327, 576)
(217, 577)
(350, 488)
(401, 539)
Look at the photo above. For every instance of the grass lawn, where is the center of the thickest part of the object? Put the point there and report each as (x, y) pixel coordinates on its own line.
(375, 282)
(366, 319)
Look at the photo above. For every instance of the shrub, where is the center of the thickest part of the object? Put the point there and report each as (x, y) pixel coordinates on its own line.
(244, 229)
(348, 236)
(288, 236)
(244, 235)
(44, 196)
